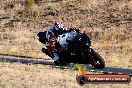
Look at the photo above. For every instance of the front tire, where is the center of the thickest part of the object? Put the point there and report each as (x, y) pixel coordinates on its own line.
(96, 60)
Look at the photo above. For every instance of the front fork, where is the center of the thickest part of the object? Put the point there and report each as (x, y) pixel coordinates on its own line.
(88, 54)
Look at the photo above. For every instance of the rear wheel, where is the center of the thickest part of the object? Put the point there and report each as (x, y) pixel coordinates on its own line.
(96, 60)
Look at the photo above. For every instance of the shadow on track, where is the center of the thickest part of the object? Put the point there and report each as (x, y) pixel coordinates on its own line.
(112, 70)
(50, 62)
(26, 61)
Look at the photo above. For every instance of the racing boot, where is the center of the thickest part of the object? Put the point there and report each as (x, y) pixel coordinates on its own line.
(58, 61)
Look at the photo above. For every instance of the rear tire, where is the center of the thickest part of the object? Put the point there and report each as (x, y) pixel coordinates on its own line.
(47, 52)
(96, 60)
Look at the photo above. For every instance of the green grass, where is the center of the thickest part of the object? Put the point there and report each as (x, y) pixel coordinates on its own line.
(30, 3)
(32, 9)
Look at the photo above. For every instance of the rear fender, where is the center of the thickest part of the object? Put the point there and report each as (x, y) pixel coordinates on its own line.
(42, 37)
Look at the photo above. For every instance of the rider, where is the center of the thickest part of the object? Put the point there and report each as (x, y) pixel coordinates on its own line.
(52, 35)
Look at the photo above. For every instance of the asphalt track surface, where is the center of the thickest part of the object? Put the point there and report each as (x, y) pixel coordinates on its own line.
(107, 70)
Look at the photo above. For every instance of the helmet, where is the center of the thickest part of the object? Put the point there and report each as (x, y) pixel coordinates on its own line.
(59, 25)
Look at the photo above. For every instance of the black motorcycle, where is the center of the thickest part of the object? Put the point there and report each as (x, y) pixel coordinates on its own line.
(75, 50)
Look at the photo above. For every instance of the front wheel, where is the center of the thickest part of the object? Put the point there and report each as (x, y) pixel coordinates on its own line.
(96, 60)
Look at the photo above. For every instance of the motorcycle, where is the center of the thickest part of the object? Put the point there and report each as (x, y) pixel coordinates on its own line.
(74, 47)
